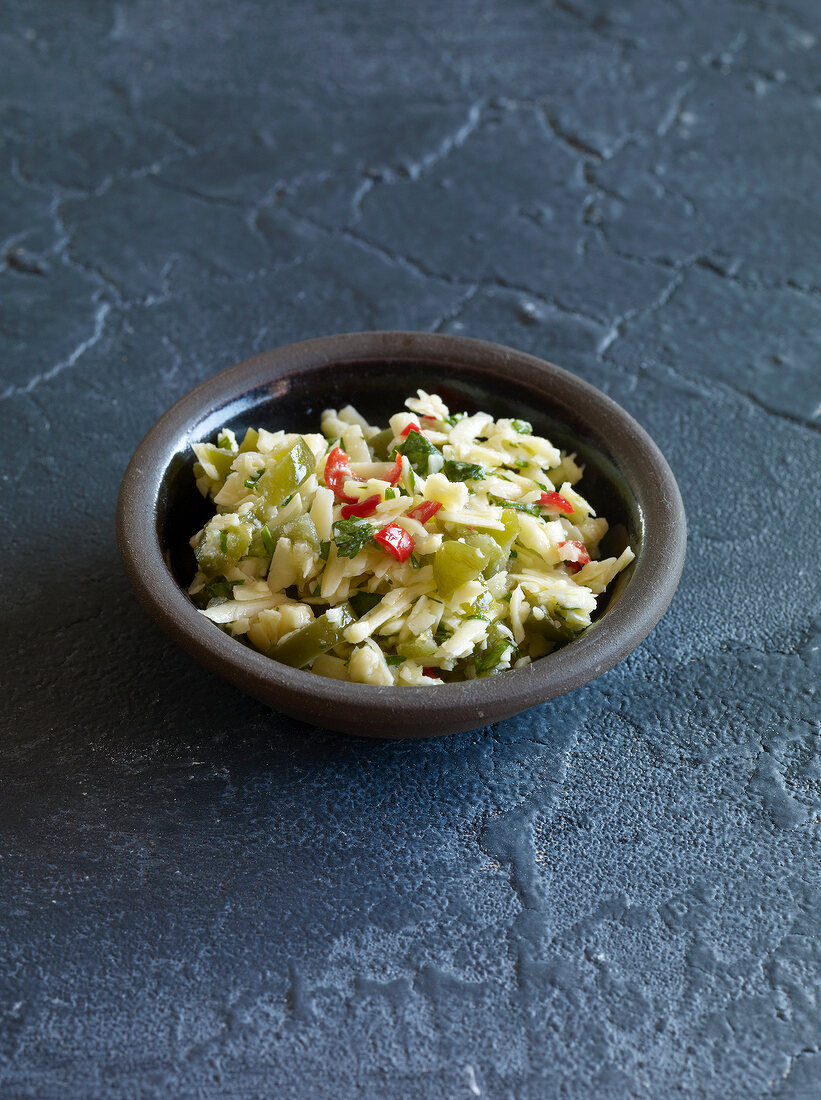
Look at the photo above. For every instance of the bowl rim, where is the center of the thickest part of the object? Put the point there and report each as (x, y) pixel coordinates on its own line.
(438, 708)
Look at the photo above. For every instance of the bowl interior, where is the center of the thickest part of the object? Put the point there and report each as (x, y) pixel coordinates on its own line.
(294, 401)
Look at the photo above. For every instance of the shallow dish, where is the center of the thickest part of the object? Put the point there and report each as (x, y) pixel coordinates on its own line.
(626, 479)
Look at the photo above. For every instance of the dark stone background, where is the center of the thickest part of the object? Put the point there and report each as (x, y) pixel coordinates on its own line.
(613, 895)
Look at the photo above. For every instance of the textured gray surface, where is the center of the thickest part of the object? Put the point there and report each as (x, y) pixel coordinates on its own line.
(614, 895)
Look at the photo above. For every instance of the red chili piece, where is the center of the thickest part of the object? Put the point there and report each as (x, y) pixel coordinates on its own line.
(434, 675)
(396, 541)
(337, 470)
(396, 472)
(410, 428)
(424, 511)
(583, 558)
(556, 502)
(363, 508)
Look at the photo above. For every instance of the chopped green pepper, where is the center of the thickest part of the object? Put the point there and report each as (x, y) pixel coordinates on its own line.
(306, 644)
(301, 529)
(283, 477)
(220, 459)
(423, 645)
(456, 563)
(507, 537)
(250, 442)
(496, 555)
(219, 549)
(380, 443)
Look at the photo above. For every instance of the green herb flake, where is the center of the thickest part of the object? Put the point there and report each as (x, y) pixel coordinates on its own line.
(390, 494)
(251, 482)
(393, 659)
(224, 443)
(517, 506)
(522, 427)
(350, 535)
(491, 657)
(267, 539)
(520, 463)
(455, 418)
(224, 541)
(462, 471)
(418, 450)
(324, 550)
(363, 602)
(221, 589)
(415, 562)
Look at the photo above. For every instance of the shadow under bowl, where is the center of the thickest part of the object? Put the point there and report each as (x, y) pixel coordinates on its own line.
(626, 479)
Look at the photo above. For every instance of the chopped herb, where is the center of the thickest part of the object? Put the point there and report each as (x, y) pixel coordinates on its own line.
(350, 535)
(415, 562)
(221, 589)
(267, 539)
(507, 596)
(390, 494)
(287, 500)
(393, 659)
(462, 471)
(542, 487)
(514, 554)
(363, 602)
(484, 618)
(522, 427)
(491, 657)
(224, 443)
(418, 450)
(324, 550)
(517, 506)
(224, 541)
(250, 482)
(455, 418)
(520, 463)
(441, 635)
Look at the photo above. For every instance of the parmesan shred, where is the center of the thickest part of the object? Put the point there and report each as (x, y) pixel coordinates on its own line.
(443, 547)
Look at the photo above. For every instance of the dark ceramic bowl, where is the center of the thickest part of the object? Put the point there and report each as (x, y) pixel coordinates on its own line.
(626, 479)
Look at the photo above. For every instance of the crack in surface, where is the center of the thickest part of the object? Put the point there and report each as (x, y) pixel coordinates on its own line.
(65, 364)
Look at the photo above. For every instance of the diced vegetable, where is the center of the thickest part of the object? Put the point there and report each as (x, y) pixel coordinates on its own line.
(579, 559)
(425, 510)
(454, 564)
(337, 472)
(555, 502)
(306, 644)
(396, 541)
(363, 508)
(283, 477)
